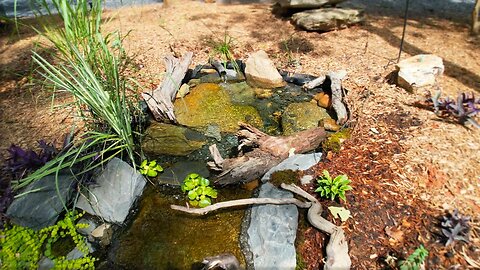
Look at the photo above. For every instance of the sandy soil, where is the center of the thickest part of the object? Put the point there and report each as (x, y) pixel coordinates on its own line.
(431, 164)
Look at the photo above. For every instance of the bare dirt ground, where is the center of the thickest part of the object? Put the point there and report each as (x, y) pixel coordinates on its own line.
(404, 176)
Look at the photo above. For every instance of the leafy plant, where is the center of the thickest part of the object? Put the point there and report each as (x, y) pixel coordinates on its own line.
(22, 248)
(331, 188)
(456, 227)
(198, 190)
(464, 108)
(150, 168)
(416, 260)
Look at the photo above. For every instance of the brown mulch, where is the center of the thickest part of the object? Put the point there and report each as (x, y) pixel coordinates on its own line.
(405, 175)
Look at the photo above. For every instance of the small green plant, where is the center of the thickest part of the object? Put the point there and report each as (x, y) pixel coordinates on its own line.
(151, 168)
(22, 248)
(223, 49)
(331, 188)
(415, 260)
(198, 190)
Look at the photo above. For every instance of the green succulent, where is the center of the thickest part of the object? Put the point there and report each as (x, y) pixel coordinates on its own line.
(331, 188)
(151, 168)
(198, 190)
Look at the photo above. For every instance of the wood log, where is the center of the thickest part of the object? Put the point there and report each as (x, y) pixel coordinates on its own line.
(270, 152)
(160, 100)
(337, 96)
(314, 83)
(476, 18)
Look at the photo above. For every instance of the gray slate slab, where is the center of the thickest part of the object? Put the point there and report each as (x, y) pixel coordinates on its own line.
(298, 162)
(117, 188)
(41, 209)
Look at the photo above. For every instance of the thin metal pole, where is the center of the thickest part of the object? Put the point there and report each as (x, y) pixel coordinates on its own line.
(404, 29)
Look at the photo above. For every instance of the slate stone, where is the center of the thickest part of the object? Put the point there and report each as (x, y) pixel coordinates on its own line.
(328, 19)
(299, 162)
(272, 232)
(117, 188)
(41, 209)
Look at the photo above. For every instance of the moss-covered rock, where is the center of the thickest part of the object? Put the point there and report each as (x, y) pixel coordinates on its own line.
(209, 104)
(302, 116)
(165, 139)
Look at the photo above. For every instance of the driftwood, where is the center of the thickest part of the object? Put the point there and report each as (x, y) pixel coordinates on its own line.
(337, 247)
(337, 92)
(160, 100)
(270, 152)
(476, 18)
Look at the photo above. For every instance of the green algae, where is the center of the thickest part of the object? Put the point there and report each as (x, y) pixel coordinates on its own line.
(161, 238)
(209, 104)
(286, 176)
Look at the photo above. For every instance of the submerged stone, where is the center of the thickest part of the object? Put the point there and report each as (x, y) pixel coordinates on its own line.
(175, 174)
(166, 139)
(209, 104)
(302, 116)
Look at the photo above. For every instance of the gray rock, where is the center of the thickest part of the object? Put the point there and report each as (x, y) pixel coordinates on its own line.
(299, 162)
(272, 231)
(175, 174)
(45, 264)
(327, 19)
(88, 230)
(77, 254)
(261, 72)
(117, 188)
(306, 179)
(41, 209)
(418, 71)
(307, 3)
(302, 116)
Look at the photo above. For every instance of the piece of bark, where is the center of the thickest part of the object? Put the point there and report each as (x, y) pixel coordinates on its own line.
(160, 100)
(476, 18)
(314, 83)
(270, 152)
(337, 96)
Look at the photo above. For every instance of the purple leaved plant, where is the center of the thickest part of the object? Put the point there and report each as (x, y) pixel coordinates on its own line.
(464, 108)
(456, 227)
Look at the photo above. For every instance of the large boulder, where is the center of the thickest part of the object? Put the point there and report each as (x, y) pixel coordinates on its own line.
(272, 232)
(307, 3)
(327, 19)
(116, 189)
(261, 72)
(418, 71)
(302, 116)
(165, 139)
(209, 104)
(41, 209)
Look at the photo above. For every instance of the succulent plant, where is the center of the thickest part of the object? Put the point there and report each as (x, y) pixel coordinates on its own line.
(464, 108)
(456, 227)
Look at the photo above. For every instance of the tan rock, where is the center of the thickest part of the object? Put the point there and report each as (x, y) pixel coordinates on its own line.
(330, 124)
(183, 91)
(418, 71)
(323, 100)
(261, 72)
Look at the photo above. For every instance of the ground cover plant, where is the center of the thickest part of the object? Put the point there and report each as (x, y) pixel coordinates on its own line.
(198, 190)
(463, 109)
(332, 188)
(416, 260)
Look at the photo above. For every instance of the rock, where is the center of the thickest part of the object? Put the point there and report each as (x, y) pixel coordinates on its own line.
(183, 91)
(307, 4)
(272, 231)
(45, 263)
(117, 188)
(213, 131)
(418, 71)
(261, 72)
(262, 93)
(323, 100)
(330, 125)
(77, 254)
(299, 162)
(88, 230)
(231, 76)
(240, 93)
(306, 179)
(327, 19)
(166, 139)
(41, 209)
(302, 116)
(103, 233)
(175, 174)
(209, 104)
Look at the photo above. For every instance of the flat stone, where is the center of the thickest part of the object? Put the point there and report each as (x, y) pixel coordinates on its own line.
(327, 19)
(272, 231)
(418, 71)
(298, 162)
(166, 139)
(41, 209)
(117, 187)
(261, 72)
(302, 116)
(307, 3)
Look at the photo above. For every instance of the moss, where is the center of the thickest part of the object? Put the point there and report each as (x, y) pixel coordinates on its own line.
(300, 262)
(287, 177)
(334, 141)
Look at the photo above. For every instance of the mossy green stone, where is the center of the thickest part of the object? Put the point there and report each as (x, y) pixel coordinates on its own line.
(208, 104)
(302, 116)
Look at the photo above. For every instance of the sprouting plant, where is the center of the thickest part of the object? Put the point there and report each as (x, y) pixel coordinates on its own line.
(198, 190)
(455, 227)
(416, 260)
(463, 109)
(331, 188)
(150, 168)
(22, 248)
(223, 49)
